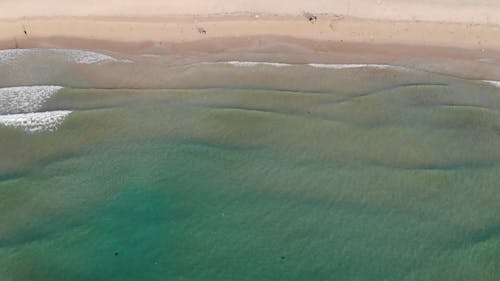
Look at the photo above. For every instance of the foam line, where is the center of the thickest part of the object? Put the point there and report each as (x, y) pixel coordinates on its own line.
(348, 66)
(492, 82)
(72, 55)
(315, 65)
(255, 63)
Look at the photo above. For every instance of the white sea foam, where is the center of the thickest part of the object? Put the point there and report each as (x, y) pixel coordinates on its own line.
(35, 122)
(315, 65)
(492, 82)
(19, 105)
(76, 56)
(25, 99)
(87, 57)
(255, 63)
(348, 66)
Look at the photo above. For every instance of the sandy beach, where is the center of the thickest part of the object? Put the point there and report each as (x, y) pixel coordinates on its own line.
(399, 32)
(470, 11)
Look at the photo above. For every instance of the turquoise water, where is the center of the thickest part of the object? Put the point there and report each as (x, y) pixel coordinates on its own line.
(373, 180)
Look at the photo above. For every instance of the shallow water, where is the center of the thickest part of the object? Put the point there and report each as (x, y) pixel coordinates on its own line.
(252, 173)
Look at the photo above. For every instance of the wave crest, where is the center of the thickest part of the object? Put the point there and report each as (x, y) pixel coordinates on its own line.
(255, 63)
(350, 65)
(35, 122)
(492, 82)
(25, 99)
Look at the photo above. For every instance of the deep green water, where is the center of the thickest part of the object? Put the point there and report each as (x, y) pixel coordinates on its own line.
(398, 183)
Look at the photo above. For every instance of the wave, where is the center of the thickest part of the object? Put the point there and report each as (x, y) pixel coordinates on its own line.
(315, 65)
(15, 100)
(255, 63)
(19, 105)
(348, 66)
(35, 122)
(72, 55)
(492, 82)
(87, 57)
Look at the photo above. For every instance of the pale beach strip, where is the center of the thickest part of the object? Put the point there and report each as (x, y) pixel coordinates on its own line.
(452, 36)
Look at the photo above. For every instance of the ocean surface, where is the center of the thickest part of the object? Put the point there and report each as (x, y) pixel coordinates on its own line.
(117, 167)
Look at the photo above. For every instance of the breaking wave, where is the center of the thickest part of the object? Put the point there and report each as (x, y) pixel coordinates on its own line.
(35, 122)
(348, 66)
(315, 65)
(18, 106)
(492, 82)
(25, 99)
(255, 63)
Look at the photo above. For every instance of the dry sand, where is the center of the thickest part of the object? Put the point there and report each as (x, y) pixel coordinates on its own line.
(470, 11)
(327, 28)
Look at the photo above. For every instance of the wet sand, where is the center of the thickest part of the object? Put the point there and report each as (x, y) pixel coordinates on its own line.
(455, 61)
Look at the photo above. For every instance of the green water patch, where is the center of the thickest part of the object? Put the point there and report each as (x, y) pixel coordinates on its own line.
(192, 211)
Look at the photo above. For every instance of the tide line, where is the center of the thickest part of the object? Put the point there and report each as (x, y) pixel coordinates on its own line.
(315, 65)
(72, 55)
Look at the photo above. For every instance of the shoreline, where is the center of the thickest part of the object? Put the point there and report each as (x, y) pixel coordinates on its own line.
(459, 62)
(467, 49)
